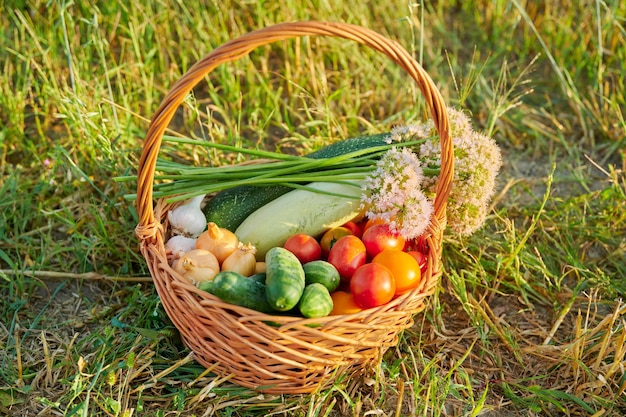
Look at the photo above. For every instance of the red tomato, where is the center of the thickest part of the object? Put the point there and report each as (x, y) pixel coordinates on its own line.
(347, 254)
(372, 285)
(331, 236)
(343, 303)
(420, 258)
(418, 244)
(354, 228)
(405, 269)
(305, 247)
(379, 238)
(362, 225)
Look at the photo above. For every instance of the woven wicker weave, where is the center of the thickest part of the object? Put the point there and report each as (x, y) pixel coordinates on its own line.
(278, 354)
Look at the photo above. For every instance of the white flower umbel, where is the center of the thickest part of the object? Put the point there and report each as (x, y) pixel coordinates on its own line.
(402, 133)
(392, 192)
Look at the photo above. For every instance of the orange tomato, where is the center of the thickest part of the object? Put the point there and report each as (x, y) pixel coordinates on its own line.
(404, 267)
(420, 258)
(343, 303)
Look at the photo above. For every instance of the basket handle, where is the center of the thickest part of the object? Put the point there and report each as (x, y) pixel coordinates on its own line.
(240, 47)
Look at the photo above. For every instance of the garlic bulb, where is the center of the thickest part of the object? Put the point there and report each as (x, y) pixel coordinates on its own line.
(188, 220)
(197, 265)
(178, 245)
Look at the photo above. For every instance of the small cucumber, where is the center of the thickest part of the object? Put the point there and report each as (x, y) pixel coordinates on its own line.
(236, 289)
(230, 207)
(259, 277)
(321, 272)
(205, 286)
(316, 301)
(284, 283)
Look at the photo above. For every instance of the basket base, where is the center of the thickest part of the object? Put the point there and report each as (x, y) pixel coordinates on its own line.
(281, 379)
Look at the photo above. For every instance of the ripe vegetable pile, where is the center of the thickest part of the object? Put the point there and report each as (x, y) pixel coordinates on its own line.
(357, 265)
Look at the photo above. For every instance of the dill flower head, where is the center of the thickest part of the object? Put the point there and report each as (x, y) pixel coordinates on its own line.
(392, 192)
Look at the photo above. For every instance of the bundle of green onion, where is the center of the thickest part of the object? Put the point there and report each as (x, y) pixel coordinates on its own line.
(177, 181)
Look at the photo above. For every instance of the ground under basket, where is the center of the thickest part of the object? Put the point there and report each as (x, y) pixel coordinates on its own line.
(278, 354)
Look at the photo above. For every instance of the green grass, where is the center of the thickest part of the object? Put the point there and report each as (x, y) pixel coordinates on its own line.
(529, 318)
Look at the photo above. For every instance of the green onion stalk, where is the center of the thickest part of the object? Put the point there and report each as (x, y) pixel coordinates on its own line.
(178, 182)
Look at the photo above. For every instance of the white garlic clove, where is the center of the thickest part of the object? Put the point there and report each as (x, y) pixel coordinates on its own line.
(179, 245)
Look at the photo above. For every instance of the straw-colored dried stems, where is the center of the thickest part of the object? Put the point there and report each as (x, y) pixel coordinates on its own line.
(281, 354)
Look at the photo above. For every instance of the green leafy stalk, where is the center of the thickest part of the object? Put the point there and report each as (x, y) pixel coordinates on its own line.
(179, 182)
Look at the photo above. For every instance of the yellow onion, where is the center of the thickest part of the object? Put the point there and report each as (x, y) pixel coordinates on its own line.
(197, 265)
(242, 260)
(219, 241)
(259, 267)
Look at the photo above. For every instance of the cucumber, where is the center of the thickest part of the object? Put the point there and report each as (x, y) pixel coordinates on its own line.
(259, 277)
(230, 207)
(300, 211)
(321, 272)
(205, 286)
(236, 289)
(316, 301)
(284, 283)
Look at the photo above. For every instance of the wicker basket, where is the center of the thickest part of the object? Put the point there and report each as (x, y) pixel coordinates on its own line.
(278, 354)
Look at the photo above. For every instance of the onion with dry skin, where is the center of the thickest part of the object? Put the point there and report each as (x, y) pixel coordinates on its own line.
(242, 260)
(259, 267)
(218, 240)
(197, 265)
